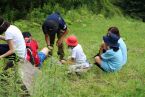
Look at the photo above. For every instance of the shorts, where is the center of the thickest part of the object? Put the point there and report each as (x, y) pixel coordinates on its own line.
(50, 27)
(42, 57)
(105, 66)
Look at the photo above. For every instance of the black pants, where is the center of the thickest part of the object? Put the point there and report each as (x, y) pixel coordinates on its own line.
(3, 49)
(55, 27)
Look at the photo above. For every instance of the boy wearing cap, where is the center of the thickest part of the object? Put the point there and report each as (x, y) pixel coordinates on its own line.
(52, 25)
(77, 56)
(122, 44)
(15, 41)
(111, 59)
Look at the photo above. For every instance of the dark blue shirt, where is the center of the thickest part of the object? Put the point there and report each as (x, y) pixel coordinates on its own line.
(57, 18)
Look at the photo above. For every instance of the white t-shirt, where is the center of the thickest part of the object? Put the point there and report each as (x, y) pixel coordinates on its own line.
(19, 44)
(79, 56)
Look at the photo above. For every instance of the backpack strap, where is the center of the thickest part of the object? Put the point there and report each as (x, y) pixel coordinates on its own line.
(29, 50)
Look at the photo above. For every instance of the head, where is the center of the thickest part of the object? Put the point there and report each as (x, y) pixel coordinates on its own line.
(72, 41)
(112, 41)
(3, 25)
(114, 30)
(26, 34)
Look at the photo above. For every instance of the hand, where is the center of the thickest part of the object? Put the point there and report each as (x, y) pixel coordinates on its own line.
(49, 47)
(59, 42)
(2, 37)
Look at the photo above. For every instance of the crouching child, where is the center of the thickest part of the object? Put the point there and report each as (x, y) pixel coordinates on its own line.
(78, 58)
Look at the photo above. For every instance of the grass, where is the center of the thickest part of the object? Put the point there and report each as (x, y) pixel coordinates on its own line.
(89, 29)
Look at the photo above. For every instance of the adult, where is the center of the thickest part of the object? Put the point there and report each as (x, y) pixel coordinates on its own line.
(15, 41)
(55, 24)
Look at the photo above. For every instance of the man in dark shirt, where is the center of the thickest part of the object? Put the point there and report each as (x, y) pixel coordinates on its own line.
(53, 24)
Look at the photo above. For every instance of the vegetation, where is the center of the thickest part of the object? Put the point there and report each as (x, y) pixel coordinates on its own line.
(89, 28)
(133, 8)
(18, 9)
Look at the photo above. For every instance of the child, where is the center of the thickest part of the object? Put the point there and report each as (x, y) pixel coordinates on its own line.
(122, 44)
(15, 42)
(77, 56)
(111, 59)
(32, 45)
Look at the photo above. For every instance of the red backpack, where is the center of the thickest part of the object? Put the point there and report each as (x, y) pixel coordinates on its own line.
(32, 53)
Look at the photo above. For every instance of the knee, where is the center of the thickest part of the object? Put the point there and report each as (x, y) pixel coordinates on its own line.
(98, 59)
(45, 50)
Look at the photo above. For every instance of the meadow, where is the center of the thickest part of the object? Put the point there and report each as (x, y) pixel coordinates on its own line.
(89, 29)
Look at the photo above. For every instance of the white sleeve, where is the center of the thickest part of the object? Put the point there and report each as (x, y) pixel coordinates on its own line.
(73, 53)
(8, 35)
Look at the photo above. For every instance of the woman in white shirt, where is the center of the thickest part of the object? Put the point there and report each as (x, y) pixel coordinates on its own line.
(15, 41)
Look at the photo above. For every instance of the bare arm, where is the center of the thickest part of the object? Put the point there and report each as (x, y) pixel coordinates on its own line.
(11, 49)
(62, 38)
(65, 33)
(47, 39)
(103, 47)
(2, 38)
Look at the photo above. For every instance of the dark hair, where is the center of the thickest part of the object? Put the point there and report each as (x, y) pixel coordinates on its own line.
(115, 49)
(26, 34)
(3, 25)
(114, 30)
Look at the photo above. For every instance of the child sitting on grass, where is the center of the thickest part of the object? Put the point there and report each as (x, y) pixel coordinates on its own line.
(111, 59)
(77, 56)
(32, 45)
(122, 44)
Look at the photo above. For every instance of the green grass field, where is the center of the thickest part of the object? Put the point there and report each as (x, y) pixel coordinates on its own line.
(89, 29)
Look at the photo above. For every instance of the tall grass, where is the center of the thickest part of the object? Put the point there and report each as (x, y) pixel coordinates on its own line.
(89, 29)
